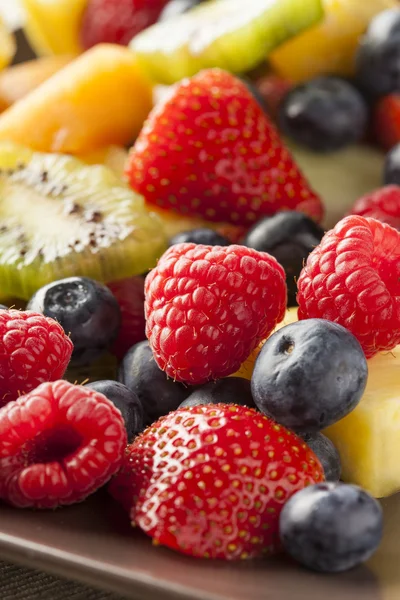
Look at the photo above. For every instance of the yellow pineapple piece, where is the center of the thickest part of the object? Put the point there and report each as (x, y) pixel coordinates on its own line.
(100, 98)
(246, 369)
(368, 439)
(53, 26)
(17, 81)
(8, 45)
(328, 47)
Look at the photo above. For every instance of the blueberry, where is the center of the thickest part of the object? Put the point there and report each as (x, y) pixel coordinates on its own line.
(324, 114)
(203, 235)
(392, 166)
(141, 374)
(331, 527)
(126, 401)
(230, 390)
(378, 56)
(177, 7)
(86, 309)
(329, 457)
(2, 307)
(290, 237)
(309, 375)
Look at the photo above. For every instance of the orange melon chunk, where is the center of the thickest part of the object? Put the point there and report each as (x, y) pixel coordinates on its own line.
(100, 98)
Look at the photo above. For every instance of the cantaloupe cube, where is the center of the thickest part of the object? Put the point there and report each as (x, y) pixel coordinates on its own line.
(100, 98)
(17, 81)
(368, 439)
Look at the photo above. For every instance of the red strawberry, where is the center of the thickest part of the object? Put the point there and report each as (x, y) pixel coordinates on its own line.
(209, 150)
(387, 121)
(208, 307)
(117, 21)
(211, 481)
(130, 295)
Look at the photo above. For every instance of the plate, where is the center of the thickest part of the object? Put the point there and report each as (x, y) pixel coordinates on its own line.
(94, 543)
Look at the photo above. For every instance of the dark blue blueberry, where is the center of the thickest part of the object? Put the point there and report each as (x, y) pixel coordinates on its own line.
(231, 390)
(126, 401)
(309, 375)
(2, 307)
(141, 374)
(378, 56)
(203, 235)
(331, 527)
(392, 166)
(177, 7)
(329, 457)
(290, 237)
(324, 114)
(86, 309)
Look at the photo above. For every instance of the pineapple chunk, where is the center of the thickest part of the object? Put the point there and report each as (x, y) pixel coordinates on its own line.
(330, 46)
(53, 26)
(100, 98)
(8, 45)
(368, 439)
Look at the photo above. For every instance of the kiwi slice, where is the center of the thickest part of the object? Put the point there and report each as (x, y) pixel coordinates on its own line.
(234, 35)
(59, 218)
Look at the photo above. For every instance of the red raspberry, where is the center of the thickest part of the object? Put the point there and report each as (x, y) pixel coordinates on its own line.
(130, 295)
(353, 278)
(382, 204)
(208, 307)
(33, 349)
(58, 444)
(211, 480)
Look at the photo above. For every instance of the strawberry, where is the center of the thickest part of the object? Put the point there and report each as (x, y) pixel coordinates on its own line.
(117, 21)
(210, 151)
(387, 121)
(211, 480)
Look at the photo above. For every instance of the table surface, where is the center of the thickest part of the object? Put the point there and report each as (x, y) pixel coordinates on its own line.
(94, 543)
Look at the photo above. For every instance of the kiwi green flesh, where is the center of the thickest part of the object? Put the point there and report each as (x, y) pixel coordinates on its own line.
(234, 35)
(60, 218)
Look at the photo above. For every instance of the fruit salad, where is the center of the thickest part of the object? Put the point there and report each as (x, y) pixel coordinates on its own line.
(200, 267)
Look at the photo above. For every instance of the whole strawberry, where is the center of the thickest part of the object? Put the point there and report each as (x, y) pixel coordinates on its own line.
(353, 278)
(211, 481)
(130, 295)
(117, 21)
(33, 349)
(208, 307)
(210, 151)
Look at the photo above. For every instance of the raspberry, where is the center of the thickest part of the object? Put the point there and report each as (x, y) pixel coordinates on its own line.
(353, 278)
(58, 444)
(130, 295)
(33, 349)
(208, 307)
(382, 204)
